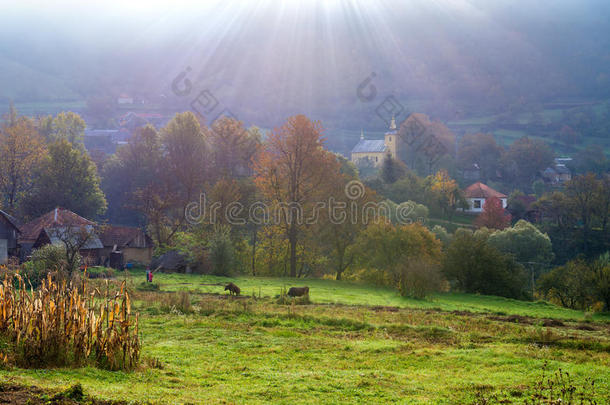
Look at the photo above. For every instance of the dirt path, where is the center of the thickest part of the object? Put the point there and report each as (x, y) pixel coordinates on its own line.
(29, 395)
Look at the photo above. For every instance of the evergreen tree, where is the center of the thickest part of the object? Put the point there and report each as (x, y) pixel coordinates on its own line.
(389, 170)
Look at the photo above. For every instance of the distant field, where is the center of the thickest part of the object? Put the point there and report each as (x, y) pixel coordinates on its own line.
(506, 136)
(354, 344)
(48, 108)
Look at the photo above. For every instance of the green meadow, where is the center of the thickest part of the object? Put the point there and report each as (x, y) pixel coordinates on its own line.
(352, 343)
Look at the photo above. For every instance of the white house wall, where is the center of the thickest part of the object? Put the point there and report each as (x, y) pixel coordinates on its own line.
(475, 210)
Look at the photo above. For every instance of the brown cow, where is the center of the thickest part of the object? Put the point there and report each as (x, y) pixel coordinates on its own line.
(233, 289)
(298, 291)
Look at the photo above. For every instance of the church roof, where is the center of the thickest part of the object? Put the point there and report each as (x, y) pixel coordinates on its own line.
(369, 146)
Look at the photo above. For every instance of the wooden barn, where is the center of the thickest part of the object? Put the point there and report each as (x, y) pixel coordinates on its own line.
(9, 233)
(128, 244)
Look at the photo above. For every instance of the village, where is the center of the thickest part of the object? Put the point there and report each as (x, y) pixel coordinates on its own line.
(307, 201)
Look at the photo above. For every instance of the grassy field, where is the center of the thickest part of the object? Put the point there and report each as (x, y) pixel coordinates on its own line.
(353, 344)
(49, 108)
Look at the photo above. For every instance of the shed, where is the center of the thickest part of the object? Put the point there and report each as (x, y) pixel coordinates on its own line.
(9, 233)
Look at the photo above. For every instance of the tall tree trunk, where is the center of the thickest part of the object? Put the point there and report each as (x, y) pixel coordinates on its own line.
(292, 239)
(254, 252)
(340, 267)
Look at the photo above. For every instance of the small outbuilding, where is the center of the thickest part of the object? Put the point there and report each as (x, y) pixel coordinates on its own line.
(123, 244)
(9, 233)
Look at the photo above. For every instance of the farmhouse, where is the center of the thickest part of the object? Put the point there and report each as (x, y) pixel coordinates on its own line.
(59, 217)
(82, 237)
(557, 174)
(8, 237)
(122, 244)
(477, 193)
(373, 151)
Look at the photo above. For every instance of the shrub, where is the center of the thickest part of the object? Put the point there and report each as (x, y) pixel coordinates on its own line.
(601, 279)
(527, 245)
(48, 259)
(385, 248)
(442, 235)
(475, 267)
(222, 253)
(578, 284)
(419, 279)
(61, 324)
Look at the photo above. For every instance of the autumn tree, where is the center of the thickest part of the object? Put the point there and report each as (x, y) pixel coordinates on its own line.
(422, 142)
(402, 255)
(524, 160)
(65, 178)
(480, 149)
(341, 222)
(493, 216)
(292, 170)
(583, 194)
(232, 147)
(591, 159)
(603, 200)
(185, 154)
(134, 167)
(179, 176)
(69, 126)
(446, 193)
(21, 150)
(162, 173)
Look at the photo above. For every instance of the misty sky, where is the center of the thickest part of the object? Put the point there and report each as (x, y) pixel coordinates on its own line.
(304, 54)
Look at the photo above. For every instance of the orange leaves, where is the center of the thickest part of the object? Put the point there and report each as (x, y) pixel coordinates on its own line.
(493, 215)
(293, 173)
(292, 165)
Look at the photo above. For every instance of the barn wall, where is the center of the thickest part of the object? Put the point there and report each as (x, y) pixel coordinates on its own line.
(139, 255)
(3, 251)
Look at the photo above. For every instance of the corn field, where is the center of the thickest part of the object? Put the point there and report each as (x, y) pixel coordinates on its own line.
(61, 324)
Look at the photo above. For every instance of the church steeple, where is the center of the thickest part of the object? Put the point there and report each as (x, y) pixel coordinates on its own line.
(361, 133)
(393, 123)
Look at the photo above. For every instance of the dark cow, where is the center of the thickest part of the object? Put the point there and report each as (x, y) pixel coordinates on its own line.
(233, 289)
(298, 291)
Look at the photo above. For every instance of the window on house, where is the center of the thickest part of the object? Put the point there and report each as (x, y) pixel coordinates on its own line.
(390, 138)
(477, 204)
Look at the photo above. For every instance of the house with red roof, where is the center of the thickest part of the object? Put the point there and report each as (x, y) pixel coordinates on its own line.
(477, 193)
(59, 217)
(106, 244)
